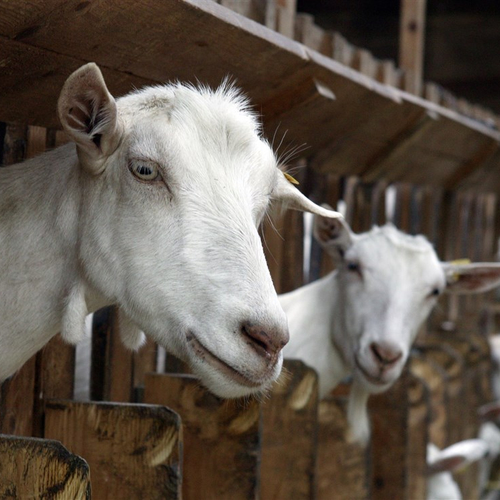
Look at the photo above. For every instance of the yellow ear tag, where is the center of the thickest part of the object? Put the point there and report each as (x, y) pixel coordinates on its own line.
(291, 179)
(459, 262)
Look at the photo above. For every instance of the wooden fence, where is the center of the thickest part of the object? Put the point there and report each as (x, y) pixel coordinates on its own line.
(289, 445)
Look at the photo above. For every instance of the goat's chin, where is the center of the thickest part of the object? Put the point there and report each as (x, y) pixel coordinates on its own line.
(226, 387)
(371, 384)
(228, 381)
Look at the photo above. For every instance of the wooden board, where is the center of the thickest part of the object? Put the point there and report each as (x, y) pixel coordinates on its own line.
(221, 438)
(350, 122)
(17, 401)
(40, 468)
(289, 437)
(389, 414)
(343, 468)
(134, 451)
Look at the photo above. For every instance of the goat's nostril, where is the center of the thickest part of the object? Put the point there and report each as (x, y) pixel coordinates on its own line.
(386, 353)
(267, 341)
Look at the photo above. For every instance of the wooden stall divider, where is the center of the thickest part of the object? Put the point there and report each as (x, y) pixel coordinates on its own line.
(389, 414)
(221, 438)
(41, 468)
(289, 436)
(436, 380)
(134, 451)
(343, 468)
(454, 366)
(418, 436)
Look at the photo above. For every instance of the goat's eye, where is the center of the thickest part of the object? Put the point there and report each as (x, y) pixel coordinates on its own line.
(353, 267)
(145, 170)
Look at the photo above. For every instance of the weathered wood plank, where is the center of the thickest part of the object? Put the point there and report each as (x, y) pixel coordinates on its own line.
(40, 468)
(412, 41)
(342, 467)
(289, 438)
(389, 413)
(134, 451)
(221, 438)
(17, 401)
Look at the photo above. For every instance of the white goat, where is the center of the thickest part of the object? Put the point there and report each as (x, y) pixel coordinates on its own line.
(441, 464)
(361, 319)
(156, 209)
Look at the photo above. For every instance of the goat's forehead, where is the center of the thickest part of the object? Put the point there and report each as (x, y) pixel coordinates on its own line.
(398, 258)
(201, 125)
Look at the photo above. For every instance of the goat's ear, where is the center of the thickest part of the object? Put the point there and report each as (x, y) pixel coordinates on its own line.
(489, 412)
(457, 456)
(88, 115)
(333, 235)
(293, 198)
(446, 464)
(471, 278)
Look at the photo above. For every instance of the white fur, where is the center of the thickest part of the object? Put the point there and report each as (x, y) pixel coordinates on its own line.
(334, 321)
(181, 256)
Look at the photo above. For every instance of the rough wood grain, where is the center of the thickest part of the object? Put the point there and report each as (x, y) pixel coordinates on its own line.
(389, 412)
(343, 468)
(221, 438)
(17, 401)
(40, 468)
(134, 451)
(289, 437)
(412, 40)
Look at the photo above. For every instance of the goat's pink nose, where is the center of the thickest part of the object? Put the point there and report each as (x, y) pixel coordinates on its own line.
(266, 340)
(386, 353)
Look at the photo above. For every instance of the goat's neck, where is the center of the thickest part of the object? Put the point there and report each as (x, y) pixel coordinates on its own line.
(40, 203)
(313, 316)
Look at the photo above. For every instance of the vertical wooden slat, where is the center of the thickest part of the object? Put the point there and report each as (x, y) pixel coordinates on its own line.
(112, 374)
(134, 451)
(418, 437)
(55, 376)
(289, 441)
(15, 144)
(17, 401)
(342, 467)
(40, 468)
(221, 438)
(37, 141)
(411, 42)
(389, 412)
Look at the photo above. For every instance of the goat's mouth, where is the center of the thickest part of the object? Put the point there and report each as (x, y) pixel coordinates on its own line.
(221, 366)
(375, 380)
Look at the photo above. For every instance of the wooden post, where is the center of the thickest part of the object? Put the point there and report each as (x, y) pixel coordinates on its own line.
(221, 438)
(343, 468)
(134, 451)
(411, 42)
(39, 468)
(289, 439)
